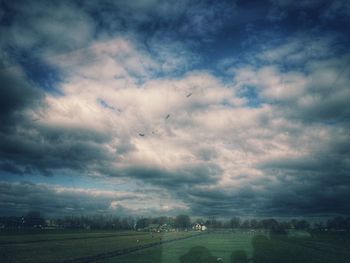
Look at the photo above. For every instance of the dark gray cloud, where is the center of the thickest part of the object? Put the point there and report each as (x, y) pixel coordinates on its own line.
(170, 179)
(16, 95)
(19, 198)
(44, 27)
(46, 152)
(318, 9)
(317, 183)
(226, 203)
(307, 194)
(27, 145)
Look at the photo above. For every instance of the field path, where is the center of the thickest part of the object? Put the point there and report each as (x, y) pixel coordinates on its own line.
(121, 252)
(62, 239)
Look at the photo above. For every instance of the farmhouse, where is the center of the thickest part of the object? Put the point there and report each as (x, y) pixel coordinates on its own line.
(199, 227)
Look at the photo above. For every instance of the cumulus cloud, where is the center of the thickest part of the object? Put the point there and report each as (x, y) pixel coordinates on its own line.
(261, 140)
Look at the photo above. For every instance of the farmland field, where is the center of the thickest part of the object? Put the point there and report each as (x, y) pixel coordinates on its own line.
(174, 247)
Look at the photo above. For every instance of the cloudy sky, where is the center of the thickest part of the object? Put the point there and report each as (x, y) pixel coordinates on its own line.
(160, 107)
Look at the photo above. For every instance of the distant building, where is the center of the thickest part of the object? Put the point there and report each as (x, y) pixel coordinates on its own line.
(159, 228)
(50, 224)
(153, 227)
(199, 227)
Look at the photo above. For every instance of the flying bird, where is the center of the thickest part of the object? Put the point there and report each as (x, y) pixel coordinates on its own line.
(189, 95)
(142, 134)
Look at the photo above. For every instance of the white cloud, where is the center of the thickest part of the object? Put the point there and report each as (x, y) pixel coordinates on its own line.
(213, 117)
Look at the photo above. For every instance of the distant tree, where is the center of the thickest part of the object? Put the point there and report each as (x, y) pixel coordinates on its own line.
(218, 224)
(347, 223)
(199, 221)
(97, 222)
(245, 224)
(293, 223)
(269, 223)
(278, 230)
(254, 223)
(302, 224)
(34, 219)
(116, 223)
(127, 223)
(182, 221)
(163, 220)
(159, 220)
(210, 221)
(171, 221)
(235, 222)
(284, 225)
(142, 223)
(318, 226)
(339, 223)
(226, 224)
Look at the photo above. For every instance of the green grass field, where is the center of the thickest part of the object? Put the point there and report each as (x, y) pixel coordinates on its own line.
(218, 245)
(49, 247)
(260, 248)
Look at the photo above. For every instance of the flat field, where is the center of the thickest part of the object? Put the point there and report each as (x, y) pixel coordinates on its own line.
(180, 247)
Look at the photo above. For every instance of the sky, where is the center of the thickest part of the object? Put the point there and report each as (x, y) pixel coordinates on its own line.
(162, 107)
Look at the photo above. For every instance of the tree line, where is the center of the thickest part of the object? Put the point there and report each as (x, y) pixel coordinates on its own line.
(34, 219)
